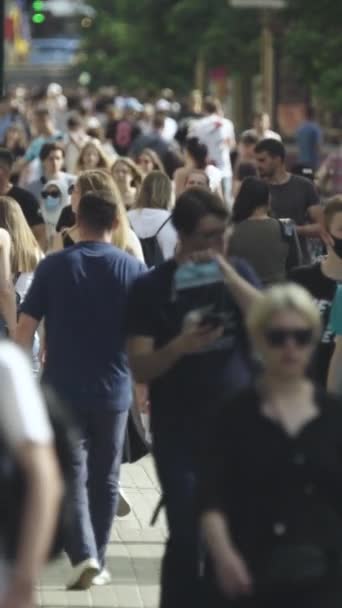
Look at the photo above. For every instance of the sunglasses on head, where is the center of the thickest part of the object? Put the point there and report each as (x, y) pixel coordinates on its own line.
(53, 193)
(71, 188)
(279, 337)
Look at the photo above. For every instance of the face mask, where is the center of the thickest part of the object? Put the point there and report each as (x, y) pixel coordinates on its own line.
(337, 246)
(52, 202)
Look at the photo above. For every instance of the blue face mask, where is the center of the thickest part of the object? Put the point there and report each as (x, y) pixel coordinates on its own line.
(52, 202)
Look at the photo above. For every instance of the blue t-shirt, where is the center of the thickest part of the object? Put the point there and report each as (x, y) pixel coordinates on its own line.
(197, 383)
(36, 145)
(81, 292)
(309, 137)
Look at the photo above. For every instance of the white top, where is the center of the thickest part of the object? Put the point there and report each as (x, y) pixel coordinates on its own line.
(269, 134)
(23, 284)
(215, 177)
(146, 222)
(170, 129)
(22, 412)
(135, 246)
(215, 131)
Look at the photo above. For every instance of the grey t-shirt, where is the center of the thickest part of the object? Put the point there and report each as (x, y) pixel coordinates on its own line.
(292, 200)
(264, 245)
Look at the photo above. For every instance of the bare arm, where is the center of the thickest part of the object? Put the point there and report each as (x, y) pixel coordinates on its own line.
(8, 304)
(216, 534)
(179, 180)
(335, 376)
(244, 294)
(26, 328)
(231, 570)
(57, 244)
(147, 363)
(39, 232)
(41, 507)
(315, 228)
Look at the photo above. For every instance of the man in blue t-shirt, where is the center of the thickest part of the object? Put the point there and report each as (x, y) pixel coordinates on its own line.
(186, 339)
(309, 140)
(81, 294)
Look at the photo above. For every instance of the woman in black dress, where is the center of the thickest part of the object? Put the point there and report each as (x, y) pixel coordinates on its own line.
(271, 493)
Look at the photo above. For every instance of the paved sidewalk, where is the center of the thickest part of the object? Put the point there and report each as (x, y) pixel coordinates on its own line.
(133, 556)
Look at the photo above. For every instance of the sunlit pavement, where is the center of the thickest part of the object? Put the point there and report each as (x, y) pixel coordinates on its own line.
(133, 556)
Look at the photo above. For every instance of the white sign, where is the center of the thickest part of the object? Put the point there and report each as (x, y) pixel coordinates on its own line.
(65, 8)
(275, 4)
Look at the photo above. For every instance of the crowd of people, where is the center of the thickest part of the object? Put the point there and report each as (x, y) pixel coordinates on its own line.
(178, 286)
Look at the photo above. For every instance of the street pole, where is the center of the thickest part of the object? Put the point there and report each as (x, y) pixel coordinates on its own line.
(2, 48)
(267, 63)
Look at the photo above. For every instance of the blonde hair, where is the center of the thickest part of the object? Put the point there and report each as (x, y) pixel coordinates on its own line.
(281, 298)
(154, 158)
(155, 192)
(103, 160)
(100, 181)
(137, 176)
(25, 251)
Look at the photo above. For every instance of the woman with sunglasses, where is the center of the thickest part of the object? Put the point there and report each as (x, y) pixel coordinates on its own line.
(54, 198)
(271, 492)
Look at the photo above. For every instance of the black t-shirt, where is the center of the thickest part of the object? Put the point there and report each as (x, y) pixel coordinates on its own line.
(323, 290)
(292, 200)
(29, 205)
(196, 383)
(122, 133)
(67, 218)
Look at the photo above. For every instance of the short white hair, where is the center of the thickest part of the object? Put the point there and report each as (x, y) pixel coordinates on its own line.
(280, 298)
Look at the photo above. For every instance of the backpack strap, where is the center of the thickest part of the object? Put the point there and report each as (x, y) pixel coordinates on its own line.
(162, 226)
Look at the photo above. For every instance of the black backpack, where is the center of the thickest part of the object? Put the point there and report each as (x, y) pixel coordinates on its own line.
(151, 249)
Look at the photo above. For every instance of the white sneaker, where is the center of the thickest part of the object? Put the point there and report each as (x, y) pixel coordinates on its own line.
(104, 578)
(83, 574)
(124, 506)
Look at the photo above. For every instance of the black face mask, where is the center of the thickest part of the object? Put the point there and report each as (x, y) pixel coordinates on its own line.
(337, 247)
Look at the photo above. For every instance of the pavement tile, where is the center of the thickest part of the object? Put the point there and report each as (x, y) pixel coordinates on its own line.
(134, 553)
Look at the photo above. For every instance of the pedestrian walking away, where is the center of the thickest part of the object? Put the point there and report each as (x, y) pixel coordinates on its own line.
(81, 294)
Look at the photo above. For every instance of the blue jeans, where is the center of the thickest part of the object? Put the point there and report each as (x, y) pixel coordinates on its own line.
(175, 457)
(96, 469)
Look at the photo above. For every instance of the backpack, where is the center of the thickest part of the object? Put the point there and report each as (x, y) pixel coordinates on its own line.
(290, 235)
(12, 482)
(151, 249)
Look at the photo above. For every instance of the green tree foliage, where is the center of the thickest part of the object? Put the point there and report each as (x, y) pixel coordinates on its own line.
(313, 42)
(155, 43)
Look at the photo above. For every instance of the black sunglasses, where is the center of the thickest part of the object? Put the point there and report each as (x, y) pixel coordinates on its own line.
(53, 193)
(71, 188)
(278, 337)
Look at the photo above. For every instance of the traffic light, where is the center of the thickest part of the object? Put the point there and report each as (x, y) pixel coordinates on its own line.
(37, 12)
